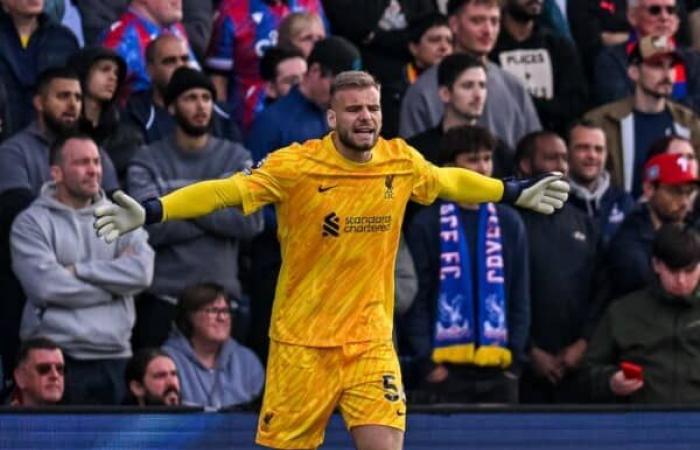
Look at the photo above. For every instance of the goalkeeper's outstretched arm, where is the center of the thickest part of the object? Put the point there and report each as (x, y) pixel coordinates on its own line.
(195, 200)
(544, 193)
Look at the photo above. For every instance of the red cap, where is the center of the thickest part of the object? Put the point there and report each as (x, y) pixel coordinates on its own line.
(669, 168)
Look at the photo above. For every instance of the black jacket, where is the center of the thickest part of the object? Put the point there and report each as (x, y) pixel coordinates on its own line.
(607, 206)
(428, 144)
(4, 112)
(566, 277)
(569, 83)
(629, 254)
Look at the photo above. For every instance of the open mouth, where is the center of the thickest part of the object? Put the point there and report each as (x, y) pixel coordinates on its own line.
(364, 131)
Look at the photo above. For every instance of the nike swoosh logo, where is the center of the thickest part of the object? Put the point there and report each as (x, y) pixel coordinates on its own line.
(400, 413)
(326, 188)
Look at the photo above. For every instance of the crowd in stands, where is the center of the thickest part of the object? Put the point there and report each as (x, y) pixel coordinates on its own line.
(598, 302)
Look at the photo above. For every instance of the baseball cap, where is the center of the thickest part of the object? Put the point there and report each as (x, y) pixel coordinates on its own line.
(184, 79)
(651, 47)
(336, 54)
(669, 168)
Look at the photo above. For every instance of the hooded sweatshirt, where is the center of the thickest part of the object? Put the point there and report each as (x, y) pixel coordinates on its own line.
(237, 378)
(119, 140)
(606, 204)
(90, 313)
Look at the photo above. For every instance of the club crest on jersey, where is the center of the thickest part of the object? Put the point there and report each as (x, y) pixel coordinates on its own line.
(389, 185)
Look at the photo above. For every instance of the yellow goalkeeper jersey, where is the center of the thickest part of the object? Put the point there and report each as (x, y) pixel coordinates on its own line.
(338, 226)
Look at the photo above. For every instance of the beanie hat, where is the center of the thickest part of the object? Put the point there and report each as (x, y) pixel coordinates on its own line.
(184, 79)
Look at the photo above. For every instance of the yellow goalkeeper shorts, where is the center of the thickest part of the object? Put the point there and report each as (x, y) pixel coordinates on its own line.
(305, 384)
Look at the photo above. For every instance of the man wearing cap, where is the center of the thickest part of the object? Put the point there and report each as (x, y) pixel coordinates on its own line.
(670, 184)
(646, 18)
(188, 251)
(632, 124)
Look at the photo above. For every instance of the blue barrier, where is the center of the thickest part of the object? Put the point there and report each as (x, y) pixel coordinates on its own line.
(599, 429)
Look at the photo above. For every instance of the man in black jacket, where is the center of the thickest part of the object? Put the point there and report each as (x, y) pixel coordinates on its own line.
(566, 283)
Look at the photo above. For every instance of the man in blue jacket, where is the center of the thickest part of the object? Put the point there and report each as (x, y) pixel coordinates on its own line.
(470, 319)
(591, 188)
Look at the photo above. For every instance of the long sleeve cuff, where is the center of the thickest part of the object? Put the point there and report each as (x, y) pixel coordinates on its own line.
(154, 210)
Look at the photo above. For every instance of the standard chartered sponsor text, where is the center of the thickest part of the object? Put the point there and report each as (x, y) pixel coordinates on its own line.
(367, 224)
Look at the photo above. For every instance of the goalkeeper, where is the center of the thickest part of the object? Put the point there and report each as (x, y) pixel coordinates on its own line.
(340, 202)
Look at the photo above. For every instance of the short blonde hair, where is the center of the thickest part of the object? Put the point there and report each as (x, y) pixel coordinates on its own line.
(353, 79)
(293, 25)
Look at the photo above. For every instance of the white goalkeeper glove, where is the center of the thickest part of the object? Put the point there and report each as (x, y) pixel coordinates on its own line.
(544, 193)
(113, 220)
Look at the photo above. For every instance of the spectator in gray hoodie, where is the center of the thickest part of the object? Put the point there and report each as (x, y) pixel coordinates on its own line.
(79, 289)
(215, 370)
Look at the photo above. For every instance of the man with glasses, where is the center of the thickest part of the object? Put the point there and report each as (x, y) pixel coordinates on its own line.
(215, 370)
(670, 185)
(39, 374)
(647, 18)
(632, 124)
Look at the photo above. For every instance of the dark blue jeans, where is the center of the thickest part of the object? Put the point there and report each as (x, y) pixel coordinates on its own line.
(95, 382)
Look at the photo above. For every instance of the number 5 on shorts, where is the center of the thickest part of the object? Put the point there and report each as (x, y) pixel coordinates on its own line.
(391, 391)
